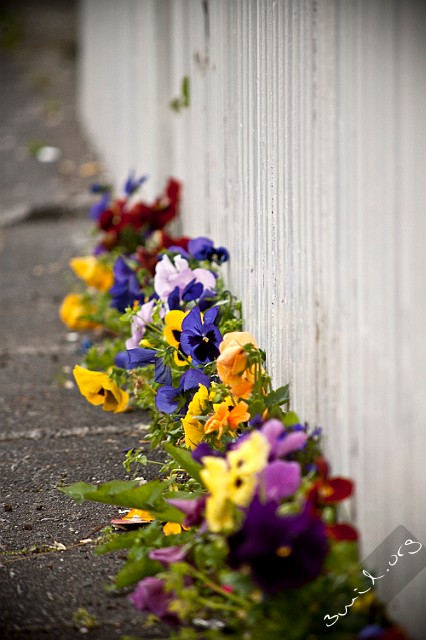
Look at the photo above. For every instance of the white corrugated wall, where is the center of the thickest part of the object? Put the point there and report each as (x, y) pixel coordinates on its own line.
(303, 151)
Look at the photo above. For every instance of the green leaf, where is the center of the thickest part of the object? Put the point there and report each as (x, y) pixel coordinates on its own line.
(185, 460)
(135, 570)
(119, 541)
(279, 396)
(291, 418)
(128, 494)
(83, 491)
(256, 408)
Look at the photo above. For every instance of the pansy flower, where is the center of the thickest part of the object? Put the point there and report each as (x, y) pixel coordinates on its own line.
(193, 510)
(99, 389)
(169, 397)
(141, 357)
(151, 595)
(282, 442)
(192, 427)
(72, 311)
(172, 332)
(232, 481)
(232, 363)
(281, 551)
(132, 184)
(156, 241)
(227, 416)
(200, 336)
(169, 275)
(93, 272)
(330, 491)
(168, 555)
(138, 324)
(202, 248)
(126, 288)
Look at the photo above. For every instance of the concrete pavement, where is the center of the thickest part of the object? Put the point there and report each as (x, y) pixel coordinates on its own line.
(51, 584)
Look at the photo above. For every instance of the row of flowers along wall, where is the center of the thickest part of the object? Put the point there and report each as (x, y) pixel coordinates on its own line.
(301, 144)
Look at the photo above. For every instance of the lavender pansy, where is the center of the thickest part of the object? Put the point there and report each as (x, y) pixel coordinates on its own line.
(151, 595)
(281, 441)
(138, 324)
(169, 275)
(168, 555)
(280, 479)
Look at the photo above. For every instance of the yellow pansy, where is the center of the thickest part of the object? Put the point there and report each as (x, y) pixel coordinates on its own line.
(233, 481)
(72, 310)
(173, 321)
(93, 272)
(219, 510)
(193, 428)
(251, 456)
(99, 389)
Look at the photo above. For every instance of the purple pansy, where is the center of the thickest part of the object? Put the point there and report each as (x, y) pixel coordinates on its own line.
(192, 379)
(202, 450)
(139, 357)
(207, 299)
(131, 185)
(121, 359)
(202, 248)
(200, 339)
(99, 206)
(192, 291)
(126, 288)
(173, 301)
(168, 397)
(162, 372)
(281, 551)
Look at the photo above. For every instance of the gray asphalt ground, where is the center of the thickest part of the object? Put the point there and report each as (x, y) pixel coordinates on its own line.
(49, 435)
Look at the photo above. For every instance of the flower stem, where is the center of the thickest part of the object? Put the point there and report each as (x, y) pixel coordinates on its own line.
(218, 589)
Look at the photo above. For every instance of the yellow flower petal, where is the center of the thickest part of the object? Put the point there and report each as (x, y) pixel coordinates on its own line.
(194, 431)
(71, 311)
(251, 456)
(233, 481)
(173, 327)
(99, 389)
(139, 513)
(93, 272)
(172, 529)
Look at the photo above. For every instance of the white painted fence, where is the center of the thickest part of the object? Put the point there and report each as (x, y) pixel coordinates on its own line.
(303, 151)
